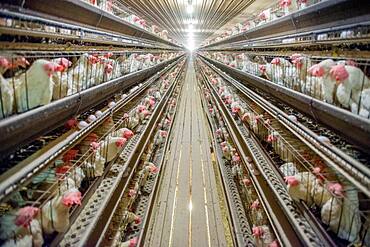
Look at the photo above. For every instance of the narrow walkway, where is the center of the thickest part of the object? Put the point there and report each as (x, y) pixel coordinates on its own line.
(187, 211)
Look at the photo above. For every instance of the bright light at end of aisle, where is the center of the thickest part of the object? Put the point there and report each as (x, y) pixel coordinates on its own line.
(189, 9)
(190, 28)
(191, 45)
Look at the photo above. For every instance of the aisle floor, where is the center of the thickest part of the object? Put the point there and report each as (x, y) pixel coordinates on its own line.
(188, 210)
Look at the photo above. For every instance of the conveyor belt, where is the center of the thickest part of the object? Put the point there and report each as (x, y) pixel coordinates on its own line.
(187, 210)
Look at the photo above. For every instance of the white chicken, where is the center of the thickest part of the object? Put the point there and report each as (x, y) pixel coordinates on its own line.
(322, 70)
(135, 62)
(365, 103)
(61, 79)
(289, 169)
(226, 150)
(7, 97)
(288, 6)
(106, 152)
(300, 186)
(25, 241)
(35, 87)
(160, 137)
(35, 231)
(55, 213)
(20, 224)
(129, 243)
(149, 167)
(123, 132)
(343, 215)
(351, 82)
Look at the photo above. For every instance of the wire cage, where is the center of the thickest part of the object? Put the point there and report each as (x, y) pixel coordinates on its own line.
(32, 79)
(314, 76)
(331, 198)
(119, 9)
(45, 203)
(277, 10)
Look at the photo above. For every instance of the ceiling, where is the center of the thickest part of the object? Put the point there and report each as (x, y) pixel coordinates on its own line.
(206, 17)
(248, 13)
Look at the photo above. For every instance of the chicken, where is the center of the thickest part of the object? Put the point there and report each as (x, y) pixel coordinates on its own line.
(17, 223)
(7, 97)
(351, 82)
(131, 217)
(35, 231)
(142, 112)
(35, 87)
(237, 109)
(77, 175)
(80, 74)
(322, 70)
(226, 150)
(84, 145)
(148, 61)
(320, 194)
(266, 16)
(131, 121)
(282, 71)
(61, 79)
(289, 169)
(106, 5)
(300, 186)
(288, 6)
(149, 167)
(302, 63)
(257, 212)
(149, 102)
(106, 152)
(55, 213)
(134, 62)
(365, 103)
(160, 137)
(129, 243)
(25, 241)
(262, 235)
(343, 215)
(123, 132)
